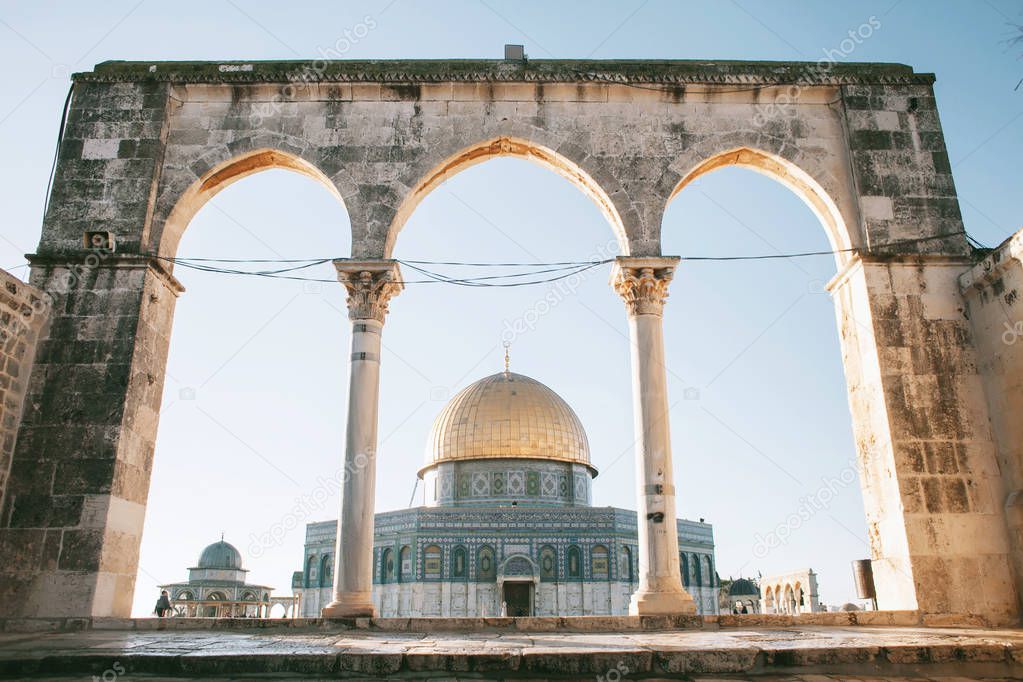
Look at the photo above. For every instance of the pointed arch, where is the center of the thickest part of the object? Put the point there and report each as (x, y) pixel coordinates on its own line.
(790, 175)
(164, 241)
(514, 147)
(327, 570)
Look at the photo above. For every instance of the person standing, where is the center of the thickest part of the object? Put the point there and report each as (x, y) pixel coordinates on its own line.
(163, 605)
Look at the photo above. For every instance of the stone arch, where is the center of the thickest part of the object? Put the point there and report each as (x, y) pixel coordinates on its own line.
(432, 177)
(790, 598)
(548, 563)
(573, 563)
(627, 572)
(387, 565)
(459, 562)
(405, 564)
(600, 558)
(486, 559)
(433, 561)
(327, 570)
(791, 175)
(519, 566)
(310, 566)
(184, 194)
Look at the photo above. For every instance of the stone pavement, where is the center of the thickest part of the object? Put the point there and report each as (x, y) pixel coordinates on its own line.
(780, 653)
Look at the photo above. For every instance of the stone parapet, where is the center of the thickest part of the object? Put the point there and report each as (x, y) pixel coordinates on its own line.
(610, 624)
(663, 655)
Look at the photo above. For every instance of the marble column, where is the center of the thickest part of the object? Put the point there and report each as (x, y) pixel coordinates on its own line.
(370, 285)
(643, 284)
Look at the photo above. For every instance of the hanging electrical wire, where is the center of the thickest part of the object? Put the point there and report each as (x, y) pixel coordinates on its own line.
(534, 273)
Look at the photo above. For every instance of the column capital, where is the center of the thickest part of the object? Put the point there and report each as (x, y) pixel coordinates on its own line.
(370, 284)
(642, 282)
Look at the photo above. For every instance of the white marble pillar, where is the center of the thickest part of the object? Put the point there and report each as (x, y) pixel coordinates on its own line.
(370, 285)
(643, 283)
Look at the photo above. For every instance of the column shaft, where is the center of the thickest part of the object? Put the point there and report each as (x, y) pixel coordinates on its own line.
(643, 283)
(370, 285)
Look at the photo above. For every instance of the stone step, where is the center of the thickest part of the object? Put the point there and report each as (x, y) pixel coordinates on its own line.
(888, 652)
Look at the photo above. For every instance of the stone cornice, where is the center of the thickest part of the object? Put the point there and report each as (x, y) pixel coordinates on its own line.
(993, 265)
(858, 260)
(666, 72)
(84, 260)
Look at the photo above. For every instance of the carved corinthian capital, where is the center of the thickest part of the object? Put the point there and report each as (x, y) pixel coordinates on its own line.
(370, 284)
(642, 282)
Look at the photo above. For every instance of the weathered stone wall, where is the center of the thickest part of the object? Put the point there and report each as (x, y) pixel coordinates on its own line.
(147, 145)
(927, 461)
(80, 478)
(24, 313)
(901, 168)
(992, 290)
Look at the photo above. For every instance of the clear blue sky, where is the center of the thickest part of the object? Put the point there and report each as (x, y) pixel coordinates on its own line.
(263, 362)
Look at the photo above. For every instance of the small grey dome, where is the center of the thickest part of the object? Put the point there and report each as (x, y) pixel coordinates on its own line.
(221, 555)
(743, 587)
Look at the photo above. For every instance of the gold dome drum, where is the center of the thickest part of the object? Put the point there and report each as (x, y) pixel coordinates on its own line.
(507, 416)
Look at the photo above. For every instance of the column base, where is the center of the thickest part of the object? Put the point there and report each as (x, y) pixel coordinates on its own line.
(350, 606)
(661, 604)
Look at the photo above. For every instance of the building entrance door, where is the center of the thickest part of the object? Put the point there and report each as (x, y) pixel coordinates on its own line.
(517, 597)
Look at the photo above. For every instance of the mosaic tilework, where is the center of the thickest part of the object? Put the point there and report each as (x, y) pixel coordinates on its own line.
(516, 483)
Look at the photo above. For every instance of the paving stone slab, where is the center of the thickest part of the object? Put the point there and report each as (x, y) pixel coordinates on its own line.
(817, 653)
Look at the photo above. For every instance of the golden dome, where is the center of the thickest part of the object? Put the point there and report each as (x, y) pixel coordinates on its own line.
(507, 416)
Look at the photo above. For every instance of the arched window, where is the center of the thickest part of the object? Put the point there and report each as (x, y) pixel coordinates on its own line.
(431, 561)
(184, 596)
(215, 596)
(249, 596)
(598, 562)
(548, 563)
(684, 565)
(387, 566)
(708, 570)
(458, 567)
(405, 564)
(487, 564)
(698, 577)
(310, 570)
(327, 571)
(574, 568)
(625, 564)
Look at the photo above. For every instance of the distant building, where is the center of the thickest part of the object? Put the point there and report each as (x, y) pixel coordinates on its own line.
(506, 525)
(216, 588)
(740, 596)
(790, 593)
